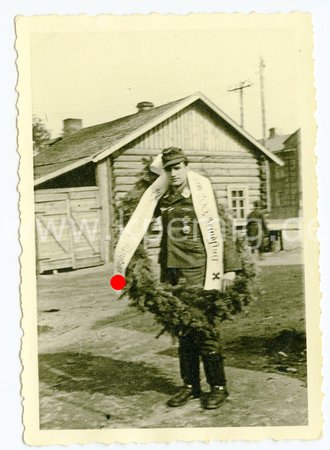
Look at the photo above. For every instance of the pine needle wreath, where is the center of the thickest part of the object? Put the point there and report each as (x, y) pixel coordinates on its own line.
(183, 309)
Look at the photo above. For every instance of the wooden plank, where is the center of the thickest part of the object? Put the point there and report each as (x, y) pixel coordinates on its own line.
(102, 172)
(238, 180)
(136, 154)
(223, 164)
(41, 196)
(90, 200)
(64, 190)
(252, 183)
(84, 194)
(84, 251)
(54, 264)
(205, 135)
(155, 137)
(231, 172)
(52, 208)
(50, 251)
(47, 195)
(81, 209)
(71, 243)
(135, 170)
(218, 153)
(91, 261)
(216, 156)
(123, 187)
(127, 173)
(110, 243)
(84, 203)
(214, 169)
(169, 132)
(218, 186)
(128, 165)
(126, 180)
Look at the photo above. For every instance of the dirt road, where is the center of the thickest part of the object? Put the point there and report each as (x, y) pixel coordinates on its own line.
(100, 368)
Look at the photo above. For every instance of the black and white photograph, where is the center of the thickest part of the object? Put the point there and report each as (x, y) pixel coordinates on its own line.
(168, 206)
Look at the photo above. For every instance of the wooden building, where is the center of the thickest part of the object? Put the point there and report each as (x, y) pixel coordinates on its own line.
(80, 179)
(285, 181)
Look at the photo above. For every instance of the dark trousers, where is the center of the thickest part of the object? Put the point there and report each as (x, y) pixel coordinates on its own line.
(191, 347)
(190, 352)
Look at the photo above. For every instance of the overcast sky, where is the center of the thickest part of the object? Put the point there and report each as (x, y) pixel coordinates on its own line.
(100, 76)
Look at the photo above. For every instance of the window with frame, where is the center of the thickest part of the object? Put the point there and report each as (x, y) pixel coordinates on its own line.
(238, 202)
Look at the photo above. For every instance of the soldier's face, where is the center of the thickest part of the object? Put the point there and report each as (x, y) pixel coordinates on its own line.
(177, 174)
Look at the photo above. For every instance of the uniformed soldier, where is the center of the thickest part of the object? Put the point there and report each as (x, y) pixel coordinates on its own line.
(183, 255)
(256, 229)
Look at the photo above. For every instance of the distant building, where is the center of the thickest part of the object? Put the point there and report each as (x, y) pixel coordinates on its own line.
(285, 185)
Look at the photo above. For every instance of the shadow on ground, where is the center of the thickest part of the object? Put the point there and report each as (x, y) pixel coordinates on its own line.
(131, 320)
(71, 372)
(285, 352)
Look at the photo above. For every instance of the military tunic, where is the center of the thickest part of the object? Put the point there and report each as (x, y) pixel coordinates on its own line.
(182, 247)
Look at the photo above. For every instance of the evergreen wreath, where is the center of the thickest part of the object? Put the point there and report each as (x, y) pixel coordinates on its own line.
(183, 309)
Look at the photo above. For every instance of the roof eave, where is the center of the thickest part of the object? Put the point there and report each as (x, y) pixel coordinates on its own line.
(57, 173)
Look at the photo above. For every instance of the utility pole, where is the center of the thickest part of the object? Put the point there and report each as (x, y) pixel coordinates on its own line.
(242, 85)
(264, 139)
(262, 96)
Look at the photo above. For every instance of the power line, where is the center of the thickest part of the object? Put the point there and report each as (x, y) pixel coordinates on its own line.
(242, 85)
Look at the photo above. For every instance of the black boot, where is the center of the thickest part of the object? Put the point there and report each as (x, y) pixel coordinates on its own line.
(183, 396)
(189, 371)
(215, 376)
(216, 397)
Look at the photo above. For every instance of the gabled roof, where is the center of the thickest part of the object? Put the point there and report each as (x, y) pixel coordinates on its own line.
(276, 143)
(99, 141)
(279, 142)
(295, 135)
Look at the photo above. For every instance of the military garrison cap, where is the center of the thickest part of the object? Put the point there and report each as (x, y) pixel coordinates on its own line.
(172, 156)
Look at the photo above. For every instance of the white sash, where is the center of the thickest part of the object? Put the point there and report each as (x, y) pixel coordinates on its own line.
(207, 215)
(208, 219)
(138, 224)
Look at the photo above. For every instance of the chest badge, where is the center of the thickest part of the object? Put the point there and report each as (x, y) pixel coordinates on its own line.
(186, 229)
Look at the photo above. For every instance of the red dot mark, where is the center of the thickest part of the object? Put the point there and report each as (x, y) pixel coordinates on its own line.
(117, 282)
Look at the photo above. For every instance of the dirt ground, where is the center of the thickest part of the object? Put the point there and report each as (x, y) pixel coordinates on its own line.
(100, 365)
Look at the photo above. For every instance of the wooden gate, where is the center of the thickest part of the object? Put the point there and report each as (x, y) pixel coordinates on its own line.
(68, 228)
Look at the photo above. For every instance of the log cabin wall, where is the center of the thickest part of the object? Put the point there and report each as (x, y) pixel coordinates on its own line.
(212, 150)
